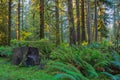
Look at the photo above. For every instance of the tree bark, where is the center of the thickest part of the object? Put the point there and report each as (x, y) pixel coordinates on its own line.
(18, 23)
(88, 22)
(83, 21)
(62, 37)
(33, 19)
(22, 14)
(9, 22)
(57, 22)
(41, 19)
(78, 21)
(72, 34)
(96, 22)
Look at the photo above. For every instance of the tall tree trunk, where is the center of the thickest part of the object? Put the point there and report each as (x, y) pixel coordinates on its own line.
(71, 23)
(78, 21)
(41, 19)
(9, 23)
(62, 37)
(83, 21)
(57, 22)
(18, 22)
(33, 19)
(96, 22)
(114, 26)
(22, 13)
(88, 22)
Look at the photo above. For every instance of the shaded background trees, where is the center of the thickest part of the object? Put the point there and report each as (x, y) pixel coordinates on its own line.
(73, 21)
(72, 34)
(41, 19)
(9, 22)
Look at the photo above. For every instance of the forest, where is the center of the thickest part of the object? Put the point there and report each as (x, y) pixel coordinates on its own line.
(59, 39)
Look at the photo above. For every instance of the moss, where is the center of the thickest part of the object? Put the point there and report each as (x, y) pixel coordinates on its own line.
(11, 72)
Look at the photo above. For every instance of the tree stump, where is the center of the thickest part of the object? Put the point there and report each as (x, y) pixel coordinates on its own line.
(26, 56)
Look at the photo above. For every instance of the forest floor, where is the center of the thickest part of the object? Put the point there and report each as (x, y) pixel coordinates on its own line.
(65, 63)
(12, 72)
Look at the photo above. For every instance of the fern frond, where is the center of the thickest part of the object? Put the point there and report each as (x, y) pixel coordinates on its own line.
(108, 75)
(88, 69)
(69, 69)
(101, 64)
(62, 76)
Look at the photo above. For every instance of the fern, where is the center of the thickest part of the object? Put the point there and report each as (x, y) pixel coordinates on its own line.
(89, 71)
(62, 76)
(108, 75)
(64, 54)
(68, 69)
(116, 56)
(117, 76)
(115, 63)
(88, 59)
(101, 65)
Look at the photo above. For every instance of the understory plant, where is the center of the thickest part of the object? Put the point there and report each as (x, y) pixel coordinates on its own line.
(93, 63)
(5, 51)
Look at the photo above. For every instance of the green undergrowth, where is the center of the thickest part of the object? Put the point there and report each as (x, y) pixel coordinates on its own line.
(90, 62)
(86, 62)
(45, 46)
(6, 51)
(11, 72)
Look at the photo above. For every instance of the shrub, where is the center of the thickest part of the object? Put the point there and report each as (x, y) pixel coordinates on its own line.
(17, 43)
(45, 46)
(6, 51)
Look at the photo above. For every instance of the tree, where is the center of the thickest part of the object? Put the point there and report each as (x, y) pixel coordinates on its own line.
(18, 22)
(83, 20)
(96, 22)
(57, 22)
(88, 22)
(9, 22)
(116, 27)
(78, 21)
(22, 13)
(41, 19)
(72, 34)
(4, 22)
